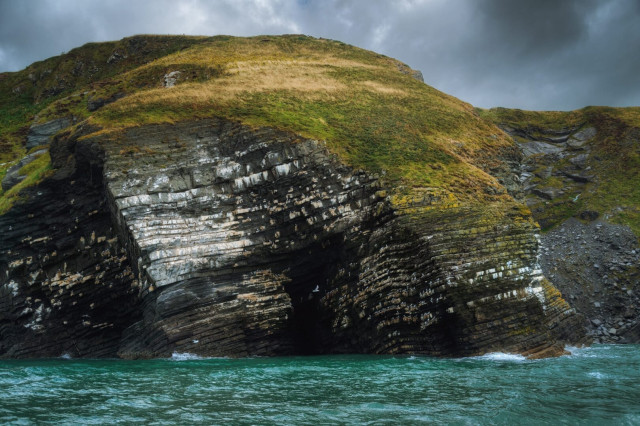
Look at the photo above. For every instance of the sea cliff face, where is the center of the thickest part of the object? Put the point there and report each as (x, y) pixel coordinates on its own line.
(276, 195)
(220, 239)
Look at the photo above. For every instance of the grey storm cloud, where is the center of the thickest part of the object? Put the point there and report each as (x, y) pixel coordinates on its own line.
(530, 54)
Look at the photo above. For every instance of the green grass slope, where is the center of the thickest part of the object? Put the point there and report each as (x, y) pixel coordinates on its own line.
(26, 93)
(366, 106)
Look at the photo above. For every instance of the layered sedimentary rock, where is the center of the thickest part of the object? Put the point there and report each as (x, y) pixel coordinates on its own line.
(41, 134)
(66, 280)
(214, 238)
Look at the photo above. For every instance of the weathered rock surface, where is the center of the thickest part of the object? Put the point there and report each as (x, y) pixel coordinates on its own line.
(40, 134)
(66, 285)
(548, 153)
(240, 241)
(95, 103)
(170, 79)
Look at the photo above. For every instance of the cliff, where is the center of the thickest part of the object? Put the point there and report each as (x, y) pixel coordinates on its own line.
(264, 196)
(579, 175)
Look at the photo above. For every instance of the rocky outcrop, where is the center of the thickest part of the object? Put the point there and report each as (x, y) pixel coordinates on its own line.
(235, 241)
(562, 154)
(592, 262)
(170, 79)
(66, 284)
(41, 134)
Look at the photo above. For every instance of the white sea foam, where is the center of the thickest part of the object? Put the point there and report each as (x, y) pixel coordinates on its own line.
(185, 356)
(595, 351)
(65, 356)
(501, 356)
(580, 352)
(597, 375)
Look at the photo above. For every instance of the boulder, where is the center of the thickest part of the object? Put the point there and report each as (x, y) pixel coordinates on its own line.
(170, 79)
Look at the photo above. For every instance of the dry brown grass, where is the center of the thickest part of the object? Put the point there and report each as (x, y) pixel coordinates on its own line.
(384, 89)
(309, 79)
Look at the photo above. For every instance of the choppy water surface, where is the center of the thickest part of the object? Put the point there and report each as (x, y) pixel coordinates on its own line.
(593, 386)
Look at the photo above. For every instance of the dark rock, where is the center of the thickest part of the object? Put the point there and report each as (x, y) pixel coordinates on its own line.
(632, 334)
(66, 285)
(547, 193)
(558, 139)
(589, 215)
(580, 178)
(40, 134)
(94, 104)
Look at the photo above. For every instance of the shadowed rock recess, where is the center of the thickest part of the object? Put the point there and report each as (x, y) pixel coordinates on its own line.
(218, 239)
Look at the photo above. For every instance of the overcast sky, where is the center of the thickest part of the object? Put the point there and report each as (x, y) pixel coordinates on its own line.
(530, 54)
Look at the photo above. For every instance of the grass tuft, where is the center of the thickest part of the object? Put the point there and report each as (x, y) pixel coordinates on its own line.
(35, 172)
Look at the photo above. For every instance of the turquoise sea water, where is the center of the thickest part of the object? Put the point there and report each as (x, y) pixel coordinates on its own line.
(598, 385)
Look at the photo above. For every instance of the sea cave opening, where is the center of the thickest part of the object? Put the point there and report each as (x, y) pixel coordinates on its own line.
(310, 272)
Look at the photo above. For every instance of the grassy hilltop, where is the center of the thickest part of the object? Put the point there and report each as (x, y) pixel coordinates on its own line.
(367, 107)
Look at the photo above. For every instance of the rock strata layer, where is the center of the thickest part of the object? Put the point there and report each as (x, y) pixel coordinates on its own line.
(41, 134)
(217, 239)
(66, 285)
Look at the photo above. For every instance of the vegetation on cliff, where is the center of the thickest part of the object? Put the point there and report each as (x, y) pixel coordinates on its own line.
(609, 184)
(367, 107)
